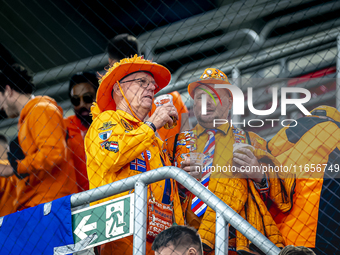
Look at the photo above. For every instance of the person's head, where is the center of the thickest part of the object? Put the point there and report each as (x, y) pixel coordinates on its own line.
(218, 100)
(16, 88)
(3, 147)
(130, 85)
(298, 250)
(139, 90)
(82, 91)
(122, 46)
(178, 240)
(327, 112)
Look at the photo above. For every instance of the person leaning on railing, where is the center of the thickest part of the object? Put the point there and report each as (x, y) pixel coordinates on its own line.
(247, 194)
(119, 144)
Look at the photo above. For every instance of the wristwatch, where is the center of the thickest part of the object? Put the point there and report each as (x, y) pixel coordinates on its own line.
(150, 124)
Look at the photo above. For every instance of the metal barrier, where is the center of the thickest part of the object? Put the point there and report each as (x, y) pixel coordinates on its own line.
(224, 214)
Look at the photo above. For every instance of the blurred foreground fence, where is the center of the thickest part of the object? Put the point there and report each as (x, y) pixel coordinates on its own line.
(244, 39)
(258, 43)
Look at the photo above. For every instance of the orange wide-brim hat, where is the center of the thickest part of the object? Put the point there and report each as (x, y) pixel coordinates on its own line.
(209, 76)
(123, 68)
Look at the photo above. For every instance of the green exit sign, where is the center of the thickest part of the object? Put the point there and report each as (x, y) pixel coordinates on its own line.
(111, 220)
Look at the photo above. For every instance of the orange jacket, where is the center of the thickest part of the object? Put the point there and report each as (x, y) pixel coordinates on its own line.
(7, 193)
(75, 142)
(114, 145)
(42, 138)
(181, 108)
(309, 144)
(236, 191)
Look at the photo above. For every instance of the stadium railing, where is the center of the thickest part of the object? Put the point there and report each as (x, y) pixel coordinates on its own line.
(224, 214)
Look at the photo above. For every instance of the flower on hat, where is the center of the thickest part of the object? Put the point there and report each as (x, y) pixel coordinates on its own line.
(213, 73)
(135, 59)
(210, 76)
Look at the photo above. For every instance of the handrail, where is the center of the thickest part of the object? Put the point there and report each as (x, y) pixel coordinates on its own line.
(224, 39)
(266, 54)
(101, 60)
(56, 89)
(69, 69)
(296, 17)
(191, 184)
(237, 35)
(221, 18)
(328, 35)
(188, 28)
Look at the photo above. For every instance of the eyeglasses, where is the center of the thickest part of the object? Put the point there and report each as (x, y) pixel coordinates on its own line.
(143, 82)
(75, 100)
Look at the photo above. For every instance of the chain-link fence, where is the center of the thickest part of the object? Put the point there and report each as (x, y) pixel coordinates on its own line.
(243, 77)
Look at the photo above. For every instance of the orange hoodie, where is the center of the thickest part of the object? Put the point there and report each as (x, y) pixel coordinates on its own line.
(7, 193)
(46, 173)
(75, 141)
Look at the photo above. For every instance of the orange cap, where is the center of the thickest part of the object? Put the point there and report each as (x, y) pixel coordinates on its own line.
(123, 68)
(209, 76)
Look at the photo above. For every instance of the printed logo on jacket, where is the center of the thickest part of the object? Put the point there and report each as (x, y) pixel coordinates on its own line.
(110, 146)
(105, 135)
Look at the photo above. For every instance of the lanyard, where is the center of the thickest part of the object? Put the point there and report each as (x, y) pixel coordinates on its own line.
(149, 186)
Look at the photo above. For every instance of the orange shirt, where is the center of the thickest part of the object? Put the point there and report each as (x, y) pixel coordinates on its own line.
(42, 138)
(75, 142)
(7, 193)
(181, 108)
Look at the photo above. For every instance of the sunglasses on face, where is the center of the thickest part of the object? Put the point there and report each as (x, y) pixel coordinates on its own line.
(75, 100)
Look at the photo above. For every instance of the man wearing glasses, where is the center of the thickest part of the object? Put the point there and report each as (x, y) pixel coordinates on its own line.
(120, 144)
(82, 91)
(125, 46)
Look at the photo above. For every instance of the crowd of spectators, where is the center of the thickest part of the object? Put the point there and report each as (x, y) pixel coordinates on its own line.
(118, 132)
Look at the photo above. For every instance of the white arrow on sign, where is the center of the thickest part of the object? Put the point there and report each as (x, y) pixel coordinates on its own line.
(82, 227)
